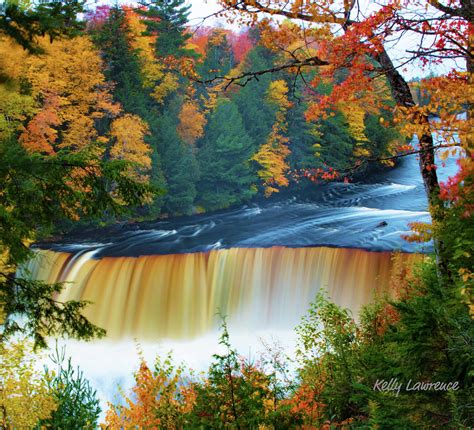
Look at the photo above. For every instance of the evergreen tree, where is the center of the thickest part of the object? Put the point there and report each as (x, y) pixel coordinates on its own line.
(168, 19)
(334, 143)
(302, 138)
(380, 136)
(218, 61)
(38, 193)
(233, 396)
(180, 167)
(77, 402)
(226, 175)
(219, 58)
(258, 115)
(122, 66)
(25, 24)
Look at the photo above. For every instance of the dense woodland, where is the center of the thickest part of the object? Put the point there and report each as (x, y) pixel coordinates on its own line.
(131, 113)
(130, 86)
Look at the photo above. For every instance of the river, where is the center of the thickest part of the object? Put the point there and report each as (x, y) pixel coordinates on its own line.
(371, 215)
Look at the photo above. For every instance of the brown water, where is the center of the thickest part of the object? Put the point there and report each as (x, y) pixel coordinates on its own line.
(177, 296)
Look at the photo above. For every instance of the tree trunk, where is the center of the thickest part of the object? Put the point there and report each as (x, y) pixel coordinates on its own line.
(403, 97)
(470, 74)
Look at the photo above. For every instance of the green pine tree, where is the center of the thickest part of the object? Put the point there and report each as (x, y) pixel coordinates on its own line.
(219, 58)
(301, 137)
(25, 24)
(37, 194)
(168, 19)
(258, 115)
(380, 137)
(229, 399)
(180, 167)
(218, 61)
(77, 402)
(226, 174)
(122, 66)
(335, 143)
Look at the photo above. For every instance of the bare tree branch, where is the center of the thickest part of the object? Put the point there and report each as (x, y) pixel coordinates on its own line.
(246, 77)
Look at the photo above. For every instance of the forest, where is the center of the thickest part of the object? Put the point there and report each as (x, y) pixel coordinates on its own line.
(131, 97)
(126, 113)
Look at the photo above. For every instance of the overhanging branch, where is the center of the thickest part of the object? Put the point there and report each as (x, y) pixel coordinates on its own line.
(365, 161)
(252, 6)
(246, 77)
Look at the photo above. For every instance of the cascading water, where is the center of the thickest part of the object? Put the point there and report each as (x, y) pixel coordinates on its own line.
(178, 296)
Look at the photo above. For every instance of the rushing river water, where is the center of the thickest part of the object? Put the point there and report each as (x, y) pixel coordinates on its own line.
(370, 215)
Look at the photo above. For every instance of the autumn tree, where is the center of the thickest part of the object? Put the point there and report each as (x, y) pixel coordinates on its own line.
(445, 32)
(199, 39)
(191, 122)
(73, 104)
(129, 132)
(161, 398)
(160, 76)
(54, 168)
(272, 156)
(241, 44)
(69, 79)
(25, 397)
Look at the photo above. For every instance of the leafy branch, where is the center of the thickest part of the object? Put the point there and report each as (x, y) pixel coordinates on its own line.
(30, 309)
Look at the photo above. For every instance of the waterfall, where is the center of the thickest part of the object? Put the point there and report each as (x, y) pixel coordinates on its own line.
(177, 296)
